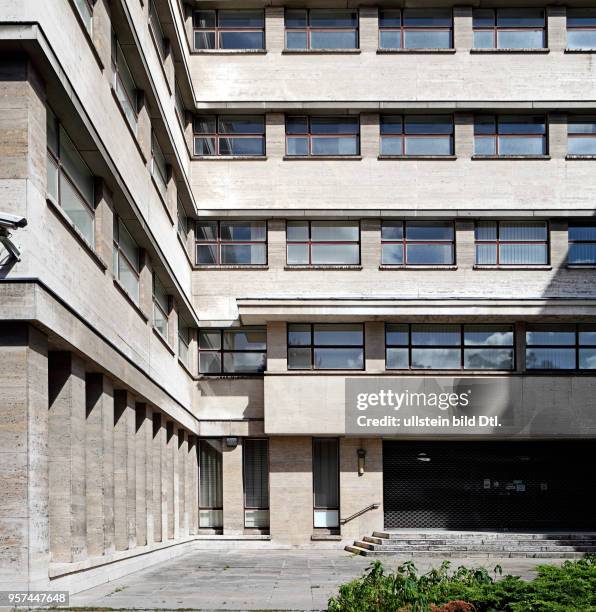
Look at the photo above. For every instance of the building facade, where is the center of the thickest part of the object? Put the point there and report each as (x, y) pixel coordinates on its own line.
(253, 231)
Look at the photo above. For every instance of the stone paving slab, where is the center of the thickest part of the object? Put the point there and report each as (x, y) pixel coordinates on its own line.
(255, 580)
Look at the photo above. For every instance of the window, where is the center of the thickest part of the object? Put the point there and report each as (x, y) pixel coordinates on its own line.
(227, 243)
(416, 243)
(229, 135)
(183, 342)
(326, 29)
(581, 135)
(229, 29)
(160, 308)
(70, 182)
(449, 347)
(510, 135)
(85, 9)
(312, 136)
(415, 28)
(210, 484)
(233, 351)
(509, 28)
(325, 346)
(256, 483)
(509, 243)
(182, 225)
(417, 135)
(325, 472)
(159, 167)
(323, 242)
(126, 259)
(180, 106)
(581, 28)
(157, 31)
(582, 244)
(561, 347)
(124, 85)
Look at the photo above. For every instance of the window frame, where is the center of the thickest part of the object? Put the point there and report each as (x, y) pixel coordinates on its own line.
(117, 54)
(312, 346)
(161, 179)
(581, 119)
(577, 328)
(403, 135)
(219, 135)
(402, 29)
(218, 242)
(569, 242)
(495, 29)
(316, 507)
(222, 351)
(185, 341)
(462, 346)
(119, 252)
(569, 28)
(86, 19)
(498, 242)
(308, 29)
(310, 242)
(157, 32)
(244, 481)
(309, 136)
(217, 30)
(497, 135)
(218, 485)
(405, 242)
(157, 284)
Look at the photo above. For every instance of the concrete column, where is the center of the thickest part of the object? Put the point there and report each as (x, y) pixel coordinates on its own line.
(369, 29)
(146, 284)
(559, 243)
(277, 346)
(464, 135)
(370, 135)
(172, 196)
(274, 29)
(556, 28)
(149, 479)
(169, 68)
(374, 344)
(276, 236)
(464, 244)
(233, 490)
(557, 135)
(142, 473)
(24, 529)
(182, 485)
(172, 480)
(370, 243)
(124, 470)
(104, 223)
(158, 442)
(144, 127)
(463, 34)
(99, 464)
(173, 323)
(66, 440)
(193, 502)
(275, 137)
(290, 486)
(166, 480)
(102, 32)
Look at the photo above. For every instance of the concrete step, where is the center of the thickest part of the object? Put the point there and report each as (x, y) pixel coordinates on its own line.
(484, 535)
(468, 554)
(503, 547)
(471, 542)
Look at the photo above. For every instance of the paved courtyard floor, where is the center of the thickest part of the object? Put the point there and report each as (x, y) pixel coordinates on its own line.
(254, 580)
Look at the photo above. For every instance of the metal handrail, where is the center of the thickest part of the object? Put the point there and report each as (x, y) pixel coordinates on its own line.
(356, 514)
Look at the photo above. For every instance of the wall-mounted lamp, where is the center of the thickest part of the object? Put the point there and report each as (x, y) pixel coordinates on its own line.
(361, 459)
(231, 442)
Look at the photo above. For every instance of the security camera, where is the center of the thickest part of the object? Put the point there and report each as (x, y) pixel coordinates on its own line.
(10, 222)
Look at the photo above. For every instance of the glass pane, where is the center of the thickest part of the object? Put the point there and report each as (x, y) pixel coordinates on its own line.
(52, 132)
(245, 124)
(335, 254)
(483, 18)
(241, 18)
(440, 145)
(335, 146)
(392, 230)
(396, 334)
(338, 334)
(160, 322)
(326, 518)
(204, 40)
(428, 124)
(256, 474)
(392, 254)
(520, 18)
(206, 230)
(205, 146)
(210, 475)
(521, 39)
(436, 359)
(390, 39)
(397, 359)
(212, 519)
(205, 124)
(522, 254)
(389, 18)
(581, 18)
(52, 184)
(209, 339)
(299, 334)
(559, 335)
(429, 254)
(243, 254)
(582, 254)
(85, 12)
(297, 146)
(326, 473)
(296, 18)
(425, 39)
(334, 40)
(297, 231)
(204, 19)
(485, 230)
(298, 254)
(522, 124)
(76, 168)
(244, 362)
(582, 146)
(485, 145)
(299, 358)
(128, 278)
(128, 245)
(550, 359)
(428, 18)
(587, 359)
(581, 39)
(296, 125)
(587, 335)
(436, 335)
(324, 18)
(243, 230)
(339, 358)
(296, 40)
(488, 359)
(522, 145)
(488, 335)
(242, 40)
(160, 294)
(484, 39)
(242, 146)
(258, 519)
(582, 231)
(77, 211)
(392, 145)
(245, 339)
(484, 124)
(429, 230)
(391, 124)
(334, 125)
(329, 231)
(486, 254)
(523, 230)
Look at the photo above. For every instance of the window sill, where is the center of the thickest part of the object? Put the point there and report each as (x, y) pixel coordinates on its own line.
(416, 268)
(162, 197)
(72, 228)
(512, 267)
(229, 376)
(130, 300)
(324, 267)
(582, 50)
(229, 52)
(231, 267)
(579, 157)
(511, 51)
(322, 157)
(184, 248)
(311, 372)
(429, 51)
(185, 367)
(160, 57)
(134, 135)
(224, 158)
(87, 34)
(510, 157)
(418, 157)
(163, 341)
(325, 537)
(321, 51)
(581, 266)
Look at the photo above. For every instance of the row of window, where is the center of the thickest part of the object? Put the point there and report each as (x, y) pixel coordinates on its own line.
(415, 346)
(400, 135)
(403, 243)
(408, 28)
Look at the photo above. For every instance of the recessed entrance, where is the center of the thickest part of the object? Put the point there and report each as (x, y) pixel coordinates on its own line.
(488, 485)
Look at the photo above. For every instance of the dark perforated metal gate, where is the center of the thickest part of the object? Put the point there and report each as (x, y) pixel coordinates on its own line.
(490, 485)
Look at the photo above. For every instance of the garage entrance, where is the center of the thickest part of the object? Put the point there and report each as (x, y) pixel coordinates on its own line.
(488, 485)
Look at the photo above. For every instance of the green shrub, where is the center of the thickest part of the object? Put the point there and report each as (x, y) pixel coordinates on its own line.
(567, 588)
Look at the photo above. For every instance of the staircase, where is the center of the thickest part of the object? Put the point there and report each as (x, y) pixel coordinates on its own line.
(477, 544)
